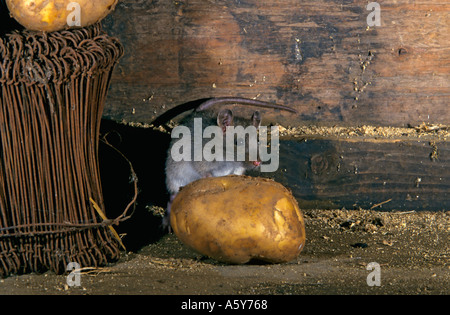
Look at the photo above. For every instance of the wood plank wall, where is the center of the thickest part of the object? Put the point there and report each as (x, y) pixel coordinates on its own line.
(317, 56)
(320, 57)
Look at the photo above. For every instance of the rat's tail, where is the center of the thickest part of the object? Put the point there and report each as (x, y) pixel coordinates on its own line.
(243, 101)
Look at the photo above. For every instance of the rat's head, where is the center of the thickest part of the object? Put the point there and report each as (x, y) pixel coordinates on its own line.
(242, 133)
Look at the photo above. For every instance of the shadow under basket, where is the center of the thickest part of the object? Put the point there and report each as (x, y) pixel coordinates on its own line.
(53, 89)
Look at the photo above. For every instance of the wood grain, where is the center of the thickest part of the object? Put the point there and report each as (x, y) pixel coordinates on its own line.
(354, 173)
(317, 56)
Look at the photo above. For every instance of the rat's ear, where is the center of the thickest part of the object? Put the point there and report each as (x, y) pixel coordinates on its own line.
(256, 119)
(224, 119)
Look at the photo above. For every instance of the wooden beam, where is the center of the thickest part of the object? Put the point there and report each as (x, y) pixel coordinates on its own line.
(388, 174)
(391, 168)
(317, 56)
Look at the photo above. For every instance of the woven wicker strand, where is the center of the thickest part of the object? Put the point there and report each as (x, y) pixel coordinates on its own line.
(53, 88)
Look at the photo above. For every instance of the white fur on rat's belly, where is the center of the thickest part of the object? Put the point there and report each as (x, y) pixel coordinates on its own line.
(176, 180)
(190, 173)
(224, 171)
(239, 171)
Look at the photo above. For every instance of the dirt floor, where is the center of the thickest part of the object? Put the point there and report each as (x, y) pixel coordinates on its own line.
(411, 248)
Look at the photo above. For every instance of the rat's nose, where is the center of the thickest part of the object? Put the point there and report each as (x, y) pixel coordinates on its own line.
(256, 163)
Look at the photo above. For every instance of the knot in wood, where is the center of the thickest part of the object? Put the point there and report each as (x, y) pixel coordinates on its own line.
(319, 164)
(402, 51)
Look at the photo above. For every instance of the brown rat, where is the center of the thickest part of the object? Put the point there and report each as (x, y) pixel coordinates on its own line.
(179, 173)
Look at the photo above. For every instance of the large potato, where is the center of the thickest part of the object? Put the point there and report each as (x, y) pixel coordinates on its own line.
(51, 15)
(238, 218)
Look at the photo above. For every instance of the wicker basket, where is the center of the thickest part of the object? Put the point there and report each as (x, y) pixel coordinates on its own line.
(53, 89)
